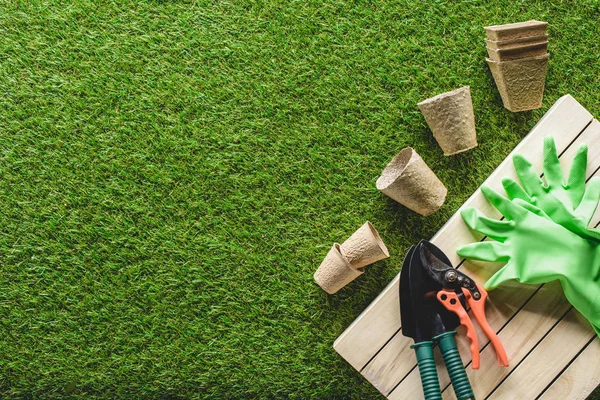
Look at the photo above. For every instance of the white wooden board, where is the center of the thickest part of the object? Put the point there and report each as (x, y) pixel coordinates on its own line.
(374, 344)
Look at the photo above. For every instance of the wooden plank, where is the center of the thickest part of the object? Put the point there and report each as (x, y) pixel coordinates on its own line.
(580, 378)
(381, 320)
(390, 366)
(550, 357)
(591, 137)
(383, 323)
(522, 333)
(525, 330)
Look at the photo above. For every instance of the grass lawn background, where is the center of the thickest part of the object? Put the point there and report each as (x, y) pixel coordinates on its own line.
(172, 173)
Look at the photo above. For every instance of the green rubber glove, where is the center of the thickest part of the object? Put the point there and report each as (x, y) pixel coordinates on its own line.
(569, 204)
(537, 250)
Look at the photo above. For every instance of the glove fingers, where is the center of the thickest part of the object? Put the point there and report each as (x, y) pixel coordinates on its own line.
(506, 207)
(589, 203)
(514, 190)
(497, 230)
(531, 208)
(576, 181)
(593, 234)
(532, 183)
(552, 170)
(505, 273)
(484, 251)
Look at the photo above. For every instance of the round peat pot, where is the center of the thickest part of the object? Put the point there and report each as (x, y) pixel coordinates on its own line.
(335, 271)
(409, 181)
(364, 247)
(450, 117)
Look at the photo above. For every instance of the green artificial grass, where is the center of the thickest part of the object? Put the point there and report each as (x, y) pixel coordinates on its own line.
(172, 174)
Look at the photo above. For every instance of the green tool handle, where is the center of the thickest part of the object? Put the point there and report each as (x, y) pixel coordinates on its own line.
(454, 365)
(429, 376)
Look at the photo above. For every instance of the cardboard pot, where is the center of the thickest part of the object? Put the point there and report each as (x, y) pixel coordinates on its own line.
(520, 82)
(450, 117)
(517, 53)
(515, 43)
(364, 247)
(335, 271)
(409, 181)
(516, 30)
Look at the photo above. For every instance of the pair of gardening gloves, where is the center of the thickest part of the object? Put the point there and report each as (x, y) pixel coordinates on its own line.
(545, 234)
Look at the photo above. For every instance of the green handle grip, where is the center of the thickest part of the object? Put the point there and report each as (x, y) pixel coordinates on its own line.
(454, 365)
(429, 376)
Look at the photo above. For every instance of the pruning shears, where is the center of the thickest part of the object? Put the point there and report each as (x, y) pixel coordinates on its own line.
(433, 300)
(455, 288)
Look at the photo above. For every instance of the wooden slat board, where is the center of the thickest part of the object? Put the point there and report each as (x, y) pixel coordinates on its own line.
(579, 378)
(529, 319)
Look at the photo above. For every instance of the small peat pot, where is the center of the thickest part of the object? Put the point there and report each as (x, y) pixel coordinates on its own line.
(520, 82)
(409, 181)
(517, 53)
(450, 117)
(364, 247)
(515, 43)
(335, 271)
(516, 30)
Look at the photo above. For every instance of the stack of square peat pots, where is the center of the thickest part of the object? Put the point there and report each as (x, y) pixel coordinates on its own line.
(518, 59)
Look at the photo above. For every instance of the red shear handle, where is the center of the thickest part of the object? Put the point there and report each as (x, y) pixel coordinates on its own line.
(450, 301)
(478, 308)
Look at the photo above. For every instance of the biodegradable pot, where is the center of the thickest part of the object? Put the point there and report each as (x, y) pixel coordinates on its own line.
(364, 247)
(520, 82)
(516, 43)
(516, 30)
(517, 53)
(409, 181)
(450, 118)
(335, 271)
